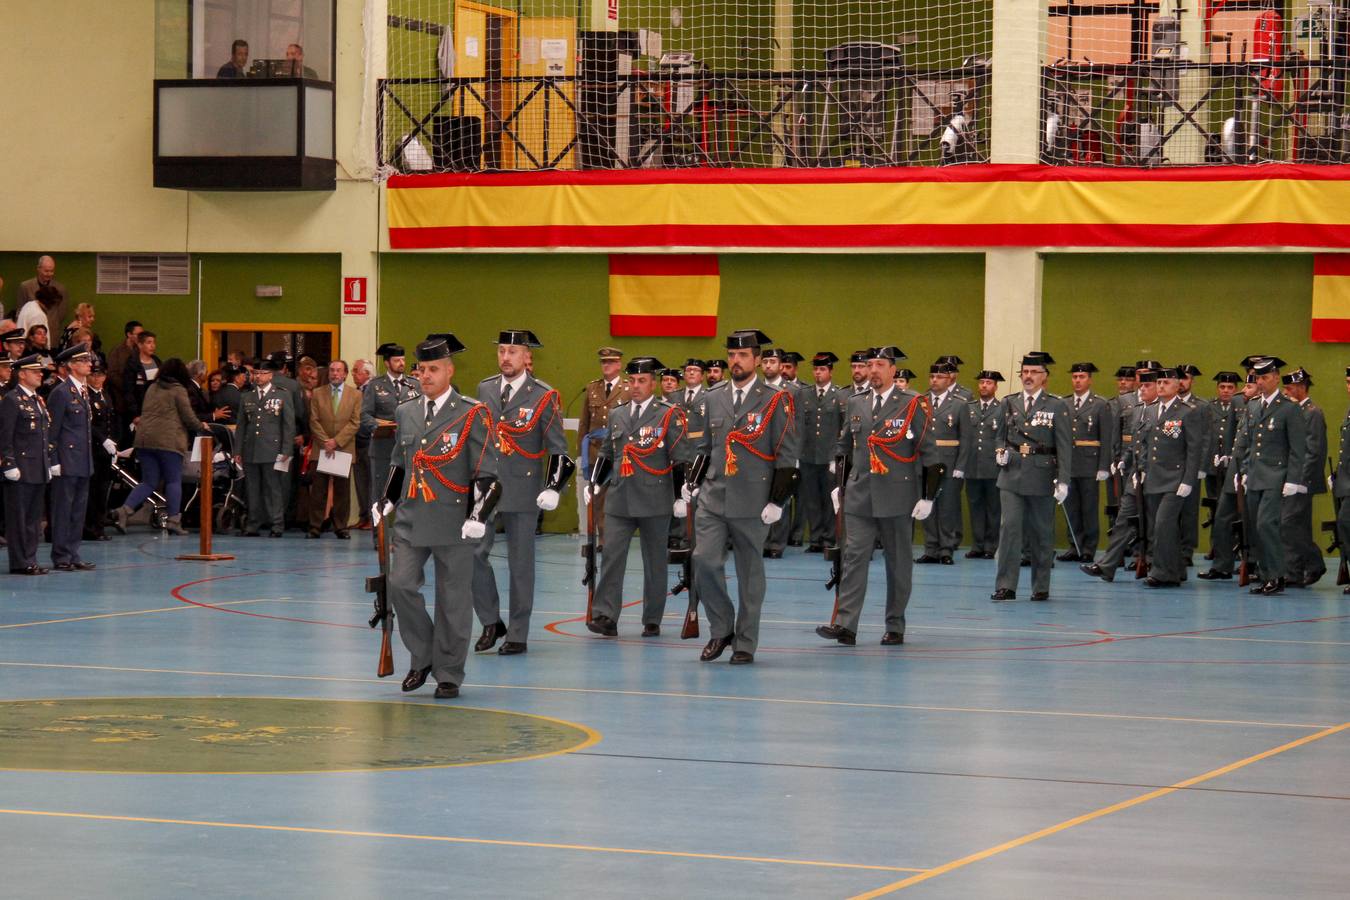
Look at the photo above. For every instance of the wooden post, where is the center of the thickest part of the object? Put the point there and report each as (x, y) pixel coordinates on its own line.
(204, 553)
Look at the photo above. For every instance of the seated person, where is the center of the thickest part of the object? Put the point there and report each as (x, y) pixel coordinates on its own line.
(237, 67)
(295, 55)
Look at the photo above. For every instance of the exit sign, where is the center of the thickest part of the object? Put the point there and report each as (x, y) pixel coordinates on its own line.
(354, 296)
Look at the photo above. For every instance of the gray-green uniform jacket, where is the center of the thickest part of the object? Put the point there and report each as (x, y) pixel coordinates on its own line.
(1170, 455)
(267, 426)
(1276, 445)
(433, 517)
(1093, 425)
(892, 493)
(659, 434)
(1039, 442)
(946, 435)
(1343, 463)
(523, 471)
(744, 494)
(820, 419)
(1316, 426)
(983, 435)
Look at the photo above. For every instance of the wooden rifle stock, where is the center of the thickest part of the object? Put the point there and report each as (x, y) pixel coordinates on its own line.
(1240, 527)
(689, 630)
(835, 554)
(384, 614)
(1141, 551)
(588, 554)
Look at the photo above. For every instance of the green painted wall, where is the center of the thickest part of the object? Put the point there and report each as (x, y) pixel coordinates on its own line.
(311, 283)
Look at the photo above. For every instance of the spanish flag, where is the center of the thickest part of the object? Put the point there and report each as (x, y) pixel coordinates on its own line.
(1331, 298)
(663, 295)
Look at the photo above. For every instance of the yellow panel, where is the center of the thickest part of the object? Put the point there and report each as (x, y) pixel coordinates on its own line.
(1331, 297)
(534, 33)
(657, 295)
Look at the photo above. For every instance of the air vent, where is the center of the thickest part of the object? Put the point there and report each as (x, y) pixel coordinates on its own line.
(143, 273)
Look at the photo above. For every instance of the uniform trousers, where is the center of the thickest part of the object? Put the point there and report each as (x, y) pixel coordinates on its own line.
(861, 533)
(1081, 507)
(1030, 520)
(23, 522)
(1266, 508)
(487, 603)
(441, 642)
(70, 494)
(747, 535)
(652, 534)
(982, 496)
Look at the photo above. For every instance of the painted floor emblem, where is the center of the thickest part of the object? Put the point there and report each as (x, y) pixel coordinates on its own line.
(265, 734)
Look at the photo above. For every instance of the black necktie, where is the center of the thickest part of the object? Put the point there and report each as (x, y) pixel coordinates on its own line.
(431, 410)
(876, 405)
(506, 394)
(608, 388)
(689, 397)
(740, 395)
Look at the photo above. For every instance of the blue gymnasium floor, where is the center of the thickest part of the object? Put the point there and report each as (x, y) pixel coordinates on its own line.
(1115, 742)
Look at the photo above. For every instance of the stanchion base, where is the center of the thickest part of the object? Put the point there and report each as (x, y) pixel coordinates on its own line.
(206, 557)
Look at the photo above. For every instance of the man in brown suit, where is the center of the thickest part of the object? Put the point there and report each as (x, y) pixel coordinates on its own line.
(334, 417)
(608, 391)
(55, 307)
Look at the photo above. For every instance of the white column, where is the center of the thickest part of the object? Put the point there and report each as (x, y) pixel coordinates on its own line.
(1012, 307)
(1016, 88)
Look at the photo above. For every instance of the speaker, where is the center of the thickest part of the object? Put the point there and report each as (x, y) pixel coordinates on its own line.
(457, 143)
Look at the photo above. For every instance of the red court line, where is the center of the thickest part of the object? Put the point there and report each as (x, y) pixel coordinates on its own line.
(177, 594)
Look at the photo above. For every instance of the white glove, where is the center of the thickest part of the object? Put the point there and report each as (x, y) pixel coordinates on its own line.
(282, 457)
(1134, 480)
(123, 454)
(680, 510)
(547, 500)
(588, 494)
(1331, 483)
(1183, 491)
(1061, 493)
(834, 499)
(1001, 456)
(1224, 460)
(1289, 489)
(832, 467)
(109, 446)
(772, 513)
(379, 510)
(957, 473)
(688, 494)
(1244, 480)
(54, 471)
(1201, 474)
(1116, 469)
(922, 509)
(472, 530)
(12, 474)
(1102, 474)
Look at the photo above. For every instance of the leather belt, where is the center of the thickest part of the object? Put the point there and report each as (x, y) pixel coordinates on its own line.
(1035, 450)
(1127, 438)
(1087, 443)
(948, 443)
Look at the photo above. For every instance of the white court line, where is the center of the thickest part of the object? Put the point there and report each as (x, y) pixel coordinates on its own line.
(141, 612)
(727, 698)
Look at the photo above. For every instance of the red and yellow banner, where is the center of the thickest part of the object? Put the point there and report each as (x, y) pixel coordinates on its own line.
(663, 295)
(1331, 298)
(955, 206)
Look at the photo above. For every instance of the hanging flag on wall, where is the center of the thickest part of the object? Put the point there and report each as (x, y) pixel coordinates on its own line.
(663, 295)
(1331, 298)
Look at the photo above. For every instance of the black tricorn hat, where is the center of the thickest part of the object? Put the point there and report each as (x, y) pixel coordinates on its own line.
(519, 336)
(1227, 377)
(943, 368)
(640, 365)
(1249, 362)
(390, 349)
(696, 362)
(1038, 358)
(439, 345)
(824, 358)
(1298, 376)
(858, 356)
(1263, 364)
(1168, 373)
(748, 337)
(271, 365)
(1146, 375)
(990, 375)
(1148, 364)
(671, 373)
(1188, 369)
(1083, 367)
(1126, 371)
(716, 364)
(773, 353)
(907, 374)
(98, 364)
(792, 356)
(951, 360)
(890, 352)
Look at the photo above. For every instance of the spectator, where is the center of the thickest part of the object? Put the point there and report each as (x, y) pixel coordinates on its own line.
(335, 417)
(37, 340)
(237, 66)
(117, 361)
(84, 318)
(14, 343)
(196, 392)
(52, 303)
(295, 55)
(225, 395)
(140, 371)
(235, 358)
(166, 421)
(362, 372)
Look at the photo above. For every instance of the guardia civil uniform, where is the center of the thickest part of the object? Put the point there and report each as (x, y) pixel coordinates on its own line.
(1341, 484)
(984, 434)
(943, 443)
(820, 410)
(1229, 418)
(383, 395)
(1093, 426)
(266, 432)
(1170, 466)
(71, 436)
(780, 532)
(1303, 557)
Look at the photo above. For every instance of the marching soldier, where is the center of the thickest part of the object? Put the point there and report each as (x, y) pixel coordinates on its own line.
(1303, 556)
(943, 444)
(647, 440)
(27, 460)
(71, 436)
(885, 492)
(751, 445)
(1229, 412)
(691, 391)
(953, 364)
(104, 430)
(1135, 427)
(984, 434)
(771, 360)
(1271, 469)
(1035, 459)
(444, 450)
(1170, 474)
(1340, 482)
(383, 395)
(1093, 426)
(1127, 395)
(690, 399)
(605, 393)
(1190, 513)
(533, 469)
(266, 440)
(821, 414)
(791, 360)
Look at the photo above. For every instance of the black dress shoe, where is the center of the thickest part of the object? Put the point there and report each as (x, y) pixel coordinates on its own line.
(1310, 580)
(838, 633)
(1346, 591)
(946, 560)
(490, 636)
(249, 534)
(816, 548)
(891, 638)
(651, 630)
(794, 543)
(415, 679)
(974, 554)
(714, 648)
(990, 554)
(83, 566)
(773, 554)
(63, 567)
(312, 534)
(346, 536)
(1026, 561)
(446, 690)
(512, 648)
(603, 625)
(29, 570)
(277, 534)
(742, 658)
(1003, 594)
(1152, 582)
(1040, 596)
(1097, 571)
(1067, 556)
(926, 560)
(1270, 587)
(1215, 575)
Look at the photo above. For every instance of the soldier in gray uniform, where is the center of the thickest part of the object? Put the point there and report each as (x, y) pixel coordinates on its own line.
(641, 466)
(27, 460)
(690, 398)
(751, 444)
(879, 448)
(904, 377)
(716, 370)
(1170, 473)
(445, 452)
(780, 530)
(1190, 512)
(671, 379)
(1134, 430)
(953, 364)
(383, 395)
(859, 362)
(71, 437)
(1093, 426)
(533, 470)
(1303, 557)
(1127, 395)
(943, 443)
(984, 434)
(266, 433)
(1271, 466)
(820, 412)
(1035, 459)
(1229, 413)
(1340, 482)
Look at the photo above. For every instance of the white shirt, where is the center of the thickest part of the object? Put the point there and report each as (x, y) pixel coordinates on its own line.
(264, 389)
(611, 385)
(439, 402)
(1080, 399)
(639, 408)
(742, 390)
(884, 397)
(514, 384)
(1034, 397)
(938, 398)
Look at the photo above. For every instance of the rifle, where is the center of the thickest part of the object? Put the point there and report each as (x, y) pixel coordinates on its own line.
(835, 552)
(379, 584)
(1212, 503)
(1240, 535)
(1343, 570)
(1141, 554)
(689, 630)
(1115, 486)
(600, 469)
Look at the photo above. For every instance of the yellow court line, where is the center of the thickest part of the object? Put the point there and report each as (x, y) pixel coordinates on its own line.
(1053, 633)
(728, 698)
(141, 612)
(447, 839)
(1097, 814)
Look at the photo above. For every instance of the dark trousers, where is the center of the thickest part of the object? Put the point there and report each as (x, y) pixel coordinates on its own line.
(1265, 508)
(652, 533)
(1081, 507)
(1164, 528)
(96, 510)
(813, 493)
(23, 522)
(942, 529)
(70, 494)
(781, 531)
(266, 490)
(1304, 557)
(1189, 534)
(361, 472)
(159, 466)
(1222, 537)
(1028, 520)
(1123, 534)
(318, 499)
(985, 511)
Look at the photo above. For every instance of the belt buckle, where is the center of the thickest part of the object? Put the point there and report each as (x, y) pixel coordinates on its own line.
(1025, 450)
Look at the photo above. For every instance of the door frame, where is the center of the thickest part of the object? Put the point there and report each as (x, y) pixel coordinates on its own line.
(509, 49)
(211, 331)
